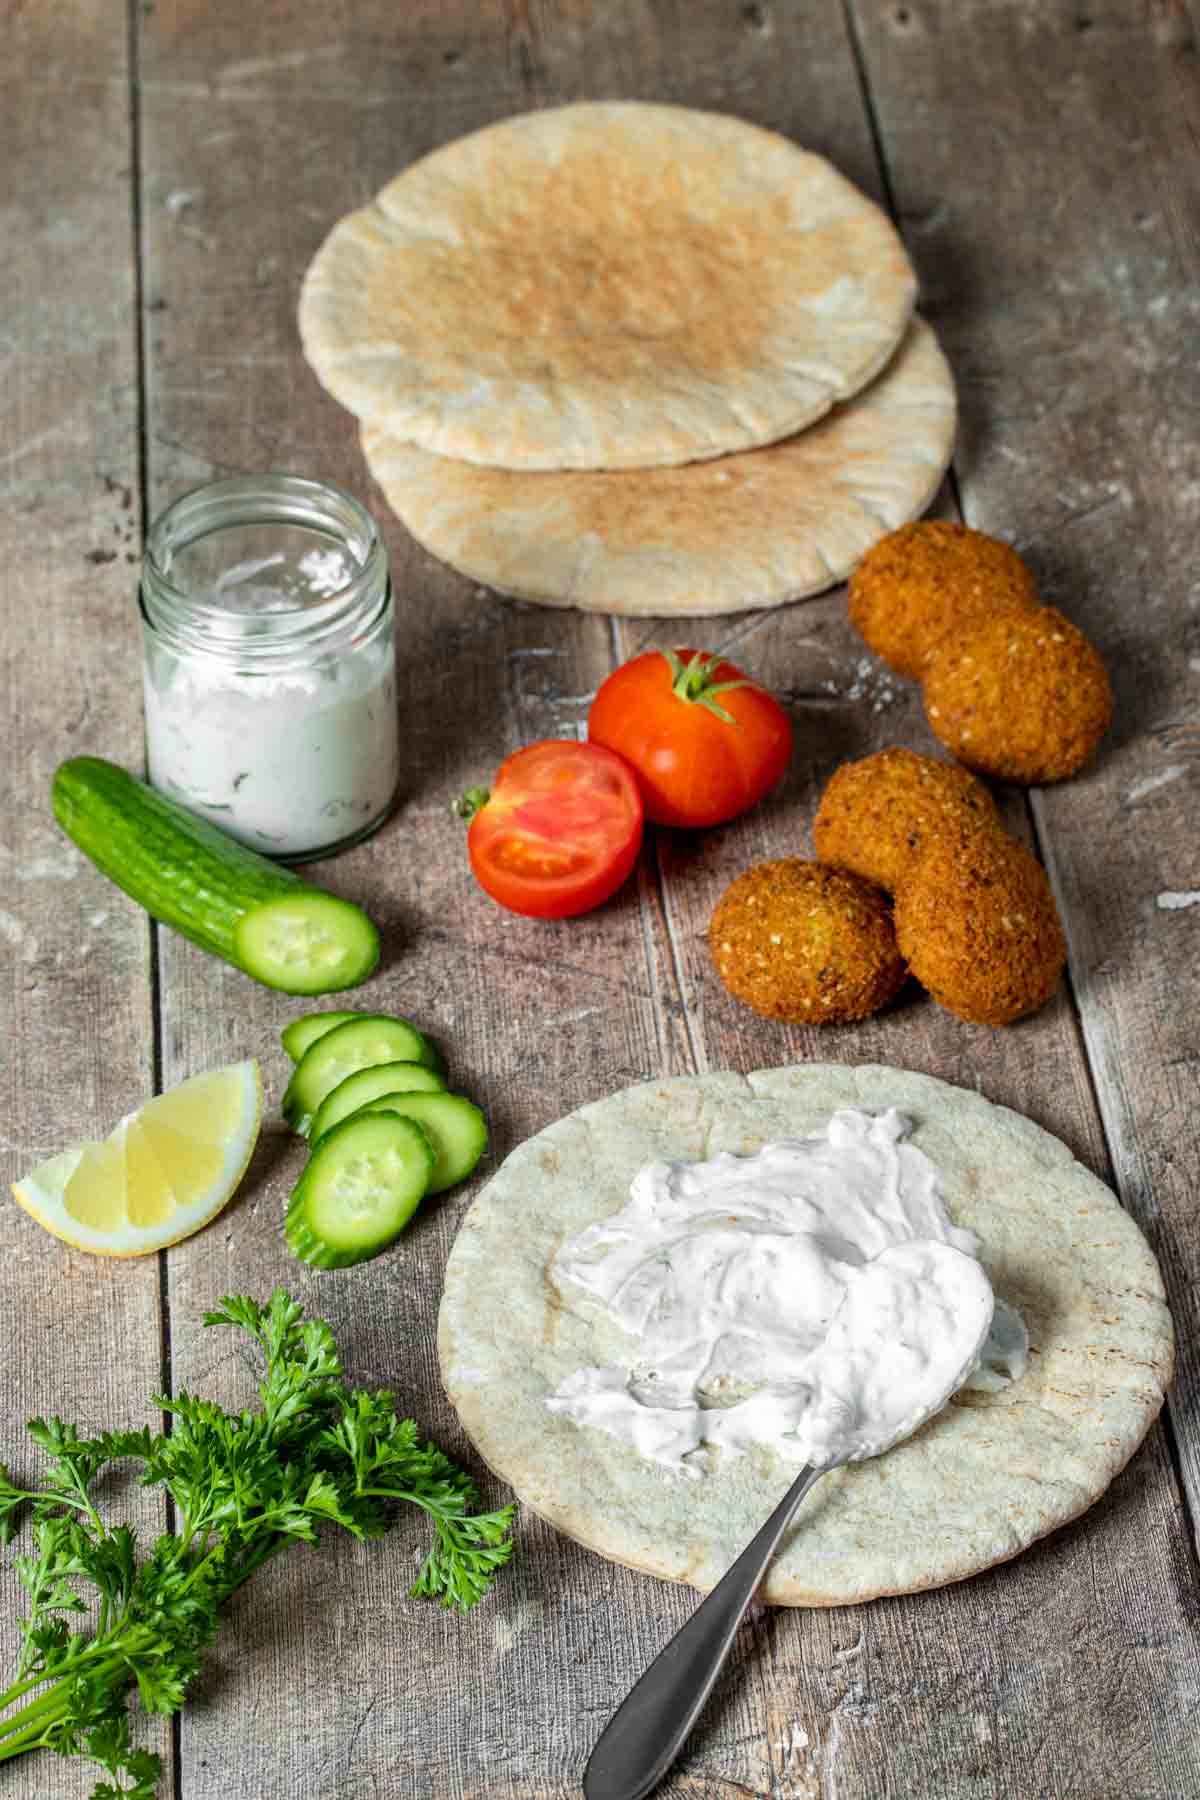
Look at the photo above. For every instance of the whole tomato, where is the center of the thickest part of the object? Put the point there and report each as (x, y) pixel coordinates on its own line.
(705, 741)
(560, 830)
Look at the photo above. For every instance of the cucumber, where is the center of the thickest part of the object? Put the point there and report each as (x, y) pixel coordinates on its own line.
(263, 919)
(365, 1085)
(359, 1189)
(359, 1044)
(456, 1128)
(307, 943)
(297, 1036)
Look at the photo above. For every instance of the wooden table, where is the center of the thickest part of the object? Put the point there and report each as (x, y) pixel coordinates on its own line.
(167, 173)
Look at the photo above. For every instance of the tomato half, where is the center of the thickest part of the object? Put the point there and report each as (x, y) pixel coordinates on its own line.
(705, 740)
(560, 830)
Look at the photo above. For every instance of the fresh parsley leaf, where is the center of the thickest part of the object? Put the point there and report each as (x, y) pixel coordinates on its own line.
(244, 1486)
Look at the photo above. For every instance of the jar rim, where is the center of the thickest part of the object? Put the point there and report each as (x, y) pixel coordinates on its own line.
(269, 498)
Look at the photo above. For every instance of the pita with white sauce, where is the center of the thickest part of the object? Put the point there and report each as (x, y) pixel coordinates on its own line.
(979, 1483)
(612, 285)
(754, 529)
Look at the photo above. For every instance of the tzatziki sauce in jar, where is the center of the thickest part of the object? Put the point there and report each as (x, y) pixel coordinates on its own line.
(269, 664)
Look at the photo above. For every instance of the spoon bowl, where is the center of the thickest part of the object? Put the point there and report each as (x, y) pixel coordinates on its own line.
(881, 1371)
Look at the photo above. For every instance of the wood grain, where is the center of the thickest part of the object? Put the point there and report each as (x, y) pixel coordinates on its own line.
(531, 1018)
(1085, 450)
(76, 1024)
(913, 60)
(1043, 165)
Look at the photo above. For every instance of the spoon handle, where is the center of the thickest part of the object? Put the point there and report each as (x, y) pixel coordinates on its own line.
(644, 1735)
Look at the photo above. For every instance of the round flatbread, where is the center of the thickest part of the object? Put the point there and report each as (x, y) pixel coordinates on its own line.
(750, 530)
(977, 1484)
(606, 286)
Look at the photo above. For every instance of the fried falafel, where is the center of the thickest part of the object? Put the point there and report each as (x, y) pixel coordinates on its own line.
(799, 942)
(917, 583)
(878, 815)
(1021, 696)
(977, 924)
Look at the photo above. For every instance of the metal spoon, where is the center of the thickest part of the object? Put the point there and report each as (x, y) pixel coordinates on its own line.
(646, 1733)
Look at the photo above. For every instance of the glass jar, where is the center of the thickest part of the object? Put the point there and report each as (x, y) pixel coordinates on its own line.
(269, 659)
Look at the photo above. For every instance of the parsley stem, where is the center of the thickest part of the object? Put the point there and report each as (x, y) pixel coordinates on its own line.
(438, 1511)
(28, 1728)
(100, 1652)
(52, 1703)
(245, 1486)
(17, 1691)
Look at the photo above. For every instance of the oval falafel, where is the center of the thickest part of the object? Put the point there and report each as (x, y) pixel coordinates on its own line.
(806, 944)
(1023, 697)
(919, 582)
(977, 924)
(878, 815)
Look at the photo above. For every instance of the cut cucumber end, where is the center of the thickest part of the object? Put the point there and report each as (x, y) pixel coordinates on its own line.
(359, 1190)
(307, 942)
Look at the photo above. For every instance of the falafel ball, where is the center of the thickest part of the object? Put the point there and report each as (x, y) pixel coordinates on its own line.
(879, 814)
(919, 582)
(1023, 697)
(811, 945)
(978, 926)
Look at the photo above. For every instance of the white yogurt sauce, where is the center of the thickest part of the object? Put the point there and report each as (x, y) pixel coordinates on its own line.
(813, 1298)
(285, 761)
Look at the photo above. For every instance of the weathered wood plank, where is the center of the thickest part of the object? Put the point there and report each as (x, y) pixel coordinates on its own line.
(76, 1026)
(1076, 345)
(819, 1703)
(1000, 1635)
(533, 1018)
(542, 1017)
(1115, 538)
(1037, 1678)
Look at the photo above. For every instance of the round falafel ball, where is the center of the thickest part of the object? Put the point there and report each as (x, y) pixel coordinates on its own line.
(921, 581)
(810, 945)
(1023, 697)
(879, 814)
(977, 923)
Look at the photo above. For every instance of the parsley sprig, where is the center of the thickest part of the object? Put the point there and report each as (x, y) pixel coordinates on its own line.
(245, 1486)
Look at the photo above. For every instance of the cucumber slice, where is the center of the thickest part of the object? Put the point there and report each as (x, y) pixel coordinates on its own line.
(359, 1044)
(297, 1036)
(309, 943)
(456, 1127)
(358, 1090)
(360, 1187)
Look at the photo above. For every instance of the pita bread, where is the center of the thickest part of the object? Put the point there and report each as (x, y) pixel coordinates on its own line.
(750, 530)
(606, 286)
(977, 1484)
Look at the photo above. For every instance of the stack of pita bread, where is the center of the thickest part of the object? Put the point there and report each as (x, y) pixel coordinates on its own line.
(634, 359)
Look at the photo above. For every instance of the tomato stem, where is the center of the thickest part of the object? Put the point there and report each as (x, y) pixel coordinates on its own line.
(693, 683)
(468, 804)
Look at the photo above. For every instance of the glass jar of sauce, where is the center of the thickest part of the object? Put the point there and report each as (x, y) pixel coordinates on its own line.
(268, 638)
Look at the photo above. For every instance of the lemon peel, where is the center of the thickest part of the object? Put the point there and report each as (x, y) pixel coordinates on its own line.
(164, 1171)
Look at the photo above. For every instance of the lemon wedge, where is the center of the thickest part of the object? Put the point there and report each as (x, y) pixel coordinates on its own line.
(165, 1170)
